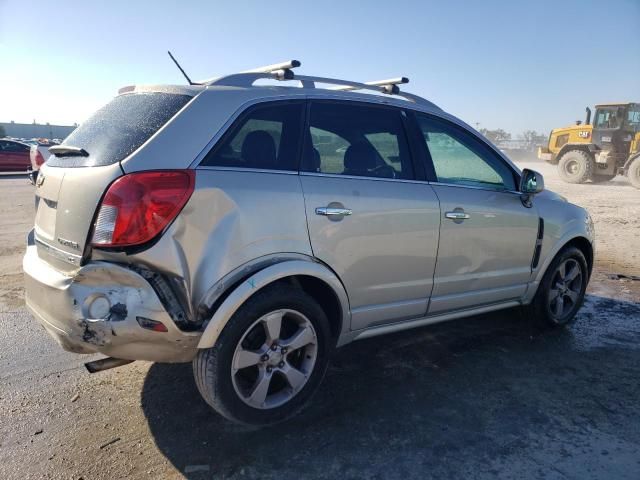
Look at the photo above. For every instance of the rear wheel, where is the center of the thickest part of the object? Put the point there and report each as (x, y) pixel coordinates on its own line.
(576, 166)
(561, 291)
(269, 359)
(634, 173)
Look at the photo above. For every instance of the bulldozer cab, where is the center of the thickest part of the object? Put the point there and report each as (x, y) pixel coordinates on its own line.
(614, 128)
(622, 116)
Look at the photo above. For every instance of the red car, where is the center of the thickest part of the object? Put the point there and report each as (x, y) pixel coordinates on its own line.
(14, 156)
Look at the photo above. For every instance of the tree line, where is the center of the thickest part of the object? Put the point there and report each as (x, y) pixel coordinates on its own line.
(530, 138)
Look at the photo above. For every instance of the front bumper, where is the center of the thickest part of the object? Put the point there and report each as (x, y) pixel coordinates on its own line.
(65, 304)
(545, 154)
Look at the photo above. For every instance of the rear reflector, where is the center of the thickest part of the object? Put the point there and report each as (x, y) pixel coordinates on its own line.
(139, 206)
(149, 324)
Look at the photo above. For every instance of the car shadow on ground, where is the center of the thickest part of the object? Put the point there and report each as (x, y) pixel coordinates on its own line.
(483, 396)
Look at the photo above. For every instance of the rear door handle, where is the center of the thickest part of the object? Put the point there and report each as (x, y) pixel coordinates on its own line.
(333, 211)
(456, 215)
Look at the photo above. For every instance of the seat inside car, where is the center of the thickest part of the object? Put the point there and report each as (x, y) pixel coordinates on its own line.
(360, 159)
(259, 150)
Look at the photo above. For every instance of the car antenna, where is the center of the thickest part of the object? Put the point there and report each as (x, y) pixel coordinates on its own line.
(178, 65)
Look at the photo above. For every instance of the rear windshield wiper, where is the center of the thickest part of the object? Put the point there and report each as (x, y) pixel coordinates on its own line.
(68, 151)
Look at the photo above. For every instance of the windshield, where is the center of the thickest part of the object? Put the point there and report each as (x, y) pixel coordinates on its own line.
(119, 128)
(609, 117)
(633, 119)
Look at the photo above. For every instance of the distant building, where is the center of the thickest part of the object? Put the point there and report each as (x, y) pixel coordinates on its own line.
(35, 130)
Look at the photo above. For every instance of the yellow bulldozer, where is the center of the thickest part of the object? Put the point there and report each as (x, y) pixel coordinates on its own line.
(598, 152)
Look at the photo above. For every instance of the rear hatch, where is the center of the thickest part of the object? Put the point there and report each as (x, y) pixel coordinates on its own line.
(72, 182)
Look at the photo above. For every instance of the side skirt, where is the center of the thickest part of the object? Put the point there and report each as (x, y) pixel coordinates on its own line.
(421, 322)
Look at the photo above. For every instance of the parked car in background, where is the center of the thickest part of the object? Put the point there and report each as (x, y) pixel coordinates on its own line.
(253, 229)
(14, 156)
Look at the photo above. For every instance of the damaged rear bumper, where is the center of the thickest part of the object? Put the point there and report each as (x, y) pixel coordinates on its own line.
(98, 309)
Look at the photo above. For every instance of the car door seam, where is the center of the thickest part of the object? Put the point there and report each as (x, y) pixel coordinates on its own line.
(435, 265)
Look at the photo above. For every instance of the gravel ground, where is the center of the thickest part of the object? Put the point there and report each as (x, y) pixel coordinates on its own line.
(486, 397)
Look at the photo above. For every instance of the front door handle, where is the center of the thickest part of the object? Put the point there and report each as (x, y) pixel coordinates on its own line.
(457, 215)
(333, 212)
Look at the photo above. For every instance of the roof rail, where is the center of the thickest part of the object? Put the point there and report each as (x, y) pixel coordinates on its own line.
(276, 71)
(283, 71)
(390, 86)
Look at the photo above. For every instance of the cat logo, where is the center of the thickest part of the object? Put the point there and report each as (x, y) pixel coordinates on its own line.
(584, 133)
(40, 180)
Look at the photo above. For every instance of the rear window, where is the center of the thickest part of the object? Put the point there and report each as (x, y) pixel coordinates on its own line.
(119, 128)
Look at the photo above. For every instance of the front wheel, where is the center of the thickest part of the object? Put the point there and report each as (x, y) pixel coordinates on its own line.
(576, 166)
(634, 173)
(561, 292)
(269, 359)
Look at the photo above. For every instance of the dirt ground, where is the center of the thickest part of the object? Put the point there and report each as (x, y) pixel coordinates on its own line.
(485, 397)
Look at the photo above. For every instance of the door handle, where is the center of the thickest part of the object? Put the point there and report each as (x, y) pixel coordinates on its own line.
(456, 215)
(333, 211)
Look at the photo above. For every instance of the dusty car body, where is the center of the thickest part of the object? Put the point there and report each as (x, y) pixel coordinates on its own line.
(385, 243)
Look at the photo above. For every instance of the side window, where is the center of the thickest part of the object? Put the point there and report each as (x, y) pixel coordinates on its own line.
(358, 140)
(461, 159)
(20, 147)
(328, 151)
(265, 137)
(14, 147)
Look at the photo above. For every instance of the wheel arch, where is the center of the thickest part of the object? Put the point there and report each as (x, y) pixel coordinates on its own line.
(578, 240)
(585, 246)
(588, 148)
(313, 277)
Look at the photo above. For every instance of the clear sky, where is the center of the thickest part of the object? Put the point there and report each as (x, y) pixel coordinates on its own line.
(511, 64)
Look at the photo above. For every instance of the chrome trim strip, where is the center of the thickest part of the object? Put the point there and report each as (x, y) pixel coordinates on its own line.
(59, 254)
(352, 177)
(357, 177)
(242, 169)
(472, 187)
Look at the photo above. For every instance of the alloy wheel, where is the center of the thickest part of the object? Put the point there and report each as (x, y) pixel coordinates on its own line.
(566, 287)
(274, 359)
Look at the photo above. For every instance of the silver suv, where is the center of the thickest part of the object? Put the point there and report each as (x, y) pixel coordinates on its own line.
(252, 229)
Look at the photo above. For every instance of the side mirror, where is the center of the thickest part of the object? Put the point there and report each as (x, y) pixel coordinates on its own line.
(531, 182)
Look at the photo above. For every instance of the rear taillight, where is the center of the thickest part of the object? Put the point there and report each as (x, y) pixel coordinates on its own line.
(36, 157)
(139, 206)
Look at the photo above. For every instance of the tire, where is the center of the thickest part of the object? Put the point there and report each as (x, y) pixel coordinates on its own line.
(543, 311)
(634, 172)
(236, 394)
(576, 166)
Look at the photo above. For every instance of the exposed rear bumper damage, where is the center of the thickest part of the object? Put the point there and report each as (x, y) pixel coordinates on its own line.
(102, 308)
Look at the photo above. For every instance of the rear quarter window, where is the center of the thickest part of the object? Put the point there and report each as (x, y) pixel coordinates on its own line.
(120, 128)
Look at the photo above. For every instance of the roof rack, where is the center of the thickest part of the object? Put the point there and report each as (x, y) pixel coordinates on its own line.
(284, 71)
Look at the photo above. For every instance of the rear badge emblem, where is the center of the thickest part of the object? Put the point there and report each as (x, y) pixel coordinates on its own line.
(68, 243)
(39, 180)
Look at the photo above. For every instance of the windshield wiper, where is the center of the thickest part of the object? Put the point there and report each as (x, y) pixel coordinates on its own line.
(68, 151)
